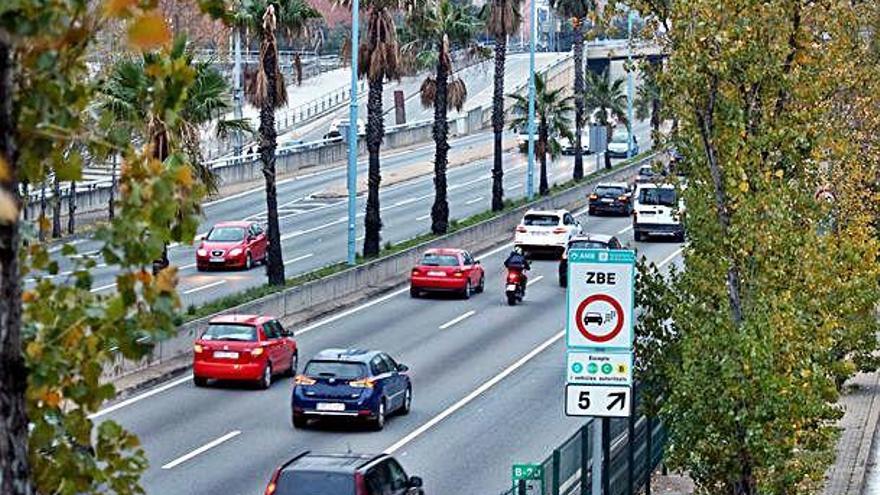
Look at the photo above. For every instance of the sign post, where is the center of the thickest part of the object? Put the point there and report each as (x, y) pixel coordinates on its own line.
(599, 340)
(528, 479)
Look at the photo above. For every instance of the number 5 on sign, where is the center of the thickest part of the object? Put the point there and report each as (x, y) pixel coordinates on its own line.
(597, 400)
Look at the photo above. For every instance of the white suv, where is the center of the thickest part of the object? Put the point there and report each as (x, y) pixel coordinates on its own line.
(546, 230)
(658, 210)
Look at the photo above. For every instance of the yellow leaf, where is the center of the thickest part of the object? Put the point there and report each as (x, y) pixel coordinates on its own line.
(166, 280)
(5, 171)
(51, 398)
(34, 350)
(8, 208)
(779, 173)
(184, 177)
(118, 8)
(44, 222)
(149, 31)
(145, 277)
(744, 186)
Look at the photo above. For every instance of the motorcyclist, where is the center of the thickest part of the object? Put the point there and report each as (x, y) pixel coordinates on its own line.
(517, 261)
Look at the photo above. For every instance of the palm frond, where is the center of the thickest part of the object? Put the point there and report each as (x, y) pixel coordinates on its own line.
(456, 94)
(428, 92)
(229, 127)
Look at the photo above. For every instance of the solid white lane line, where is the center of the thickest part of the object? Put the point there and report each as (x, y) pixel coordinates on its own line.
(138, 398)
(670, 257)
(457, 319)
(473, 395)
(104, 287)
(406, 201)
(535, 280)
(475, 200)
(187, 267)
(204, 448)
(625, 230)
(246, 193)
(424, 217)
(299, 258)
(516, 184)
(205, 287)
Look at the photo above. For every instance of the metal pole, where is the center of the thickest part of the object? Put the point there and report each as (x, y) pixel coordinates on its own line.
(353, 135)
(629, 86)
(597, 457)
(649, 455)
(237, 95)
(606, 455)
(630, 453)
(585, 457)
(530, 170)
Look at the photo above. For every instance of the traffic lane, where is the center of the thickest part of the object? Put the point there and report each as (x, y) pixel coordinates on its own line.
(406, 328)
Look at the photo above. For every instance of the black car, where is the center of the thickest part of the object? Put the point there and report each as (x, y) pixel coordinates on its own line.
(343, 474)
(613, 197)
(589, 241)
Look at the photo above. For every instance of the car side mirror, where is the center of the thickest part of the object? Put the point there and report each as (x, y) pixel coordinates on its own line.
(415, 482)
(402, 367)
(204, 238)
(477, 262)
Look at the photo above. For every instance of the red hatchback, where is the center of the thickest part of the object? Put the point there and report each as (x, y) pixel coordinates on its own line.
(447, 270)
(244, 348)
(232, 245)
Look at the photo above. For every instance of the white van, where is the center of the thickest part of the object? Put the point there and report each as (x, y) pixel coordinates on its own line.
(658, 211)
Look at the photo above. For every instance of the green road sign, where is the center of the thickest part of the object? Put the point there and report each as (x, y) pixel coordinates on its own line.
(527, 472)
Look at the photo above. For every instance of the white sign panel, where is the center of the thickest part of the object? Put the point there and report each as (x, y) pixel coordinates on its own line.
(600, 368)
(597, 400)
(600, 299)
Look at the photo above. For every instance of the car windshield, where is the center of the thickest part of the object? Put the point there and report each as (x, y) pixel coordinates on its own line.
(336, 369)
(314, 483)
(619, 137)
(658, 196)
(587, 245)
(226, 234)
(434, 259)
(610, 191)
(541, 220)
(228, 331)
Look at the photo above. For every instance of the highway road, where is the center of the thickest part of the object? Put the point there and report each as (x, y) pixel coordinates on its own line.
(487, 392)
(314, 230)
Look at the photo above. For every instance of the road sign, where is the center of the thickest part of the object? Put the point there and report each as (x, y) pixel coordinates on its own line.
(600, 299)
(600, 368)
(597, 400)
(528, 479)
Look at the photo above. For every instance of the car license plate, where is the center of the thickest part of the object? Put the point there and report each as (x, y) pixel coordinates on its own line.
(436, 274)
(331, 406)
(215, 259)
(511, 286)
(225, 355)
(607, 200)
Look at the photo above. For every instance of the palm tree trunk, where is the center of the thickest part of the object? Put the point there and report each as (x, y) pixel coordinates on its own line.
(440, 210)
(111, 211)
(578, 100)
(268, 143)
(543, 139)
(608, 131)
(42, 220)
(56, 208)
(14, 467)
(375, 132)
(71, 209)
(655, 115)
(498, 124)
(297, 64)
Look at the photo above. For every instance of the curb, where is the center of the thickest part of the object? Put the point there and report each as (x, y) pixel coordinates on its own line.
(858, 428)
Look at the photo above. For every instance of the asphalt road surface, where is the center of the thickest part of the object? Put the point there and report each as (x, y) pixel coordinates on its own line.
(487, 389)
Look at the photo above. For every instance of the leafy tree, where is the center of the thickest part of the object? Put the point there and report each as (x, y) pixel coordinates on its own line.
(772, 313)
(577, 11)
(294, 21)
(378, 60)
(552, 110)
(503, 20)
(437, 25)
(647, 99)
(56, 336)
(607, 99)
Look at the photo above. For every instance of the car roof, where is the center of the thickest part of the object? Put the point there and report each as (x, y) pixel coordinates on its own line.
(652, 185)
(241, 319)
(237, 223)
(547, 212)
(339, 354)
(337, 463)
(452, 251)
(592, 237)
(612, 184)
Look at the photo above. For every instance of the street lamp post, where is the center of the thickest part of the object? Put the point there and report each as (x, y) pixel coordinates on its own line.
(237, 95)
(530, 171)
(629, 85)
(353, 136)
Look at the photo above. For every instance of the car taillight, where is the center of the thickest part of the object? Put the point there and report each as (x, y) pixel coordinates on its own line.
(416, 271)
(197, 348)
(360, 485)
(559, 230)
(521, 229)
(304, 380)
(594, 196)
(365, 383)
(257, 352)
(273, 483)
(457, 273)
(513, 277)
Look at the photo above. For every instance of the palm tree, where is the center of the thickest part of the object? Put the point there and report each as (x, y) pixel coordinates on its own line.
(128, 96)
(503, 20)
(608, 100)
(577, 10)
(294, 21)
(437, 25)
(647, 100)
(552, 110)
(378, 60)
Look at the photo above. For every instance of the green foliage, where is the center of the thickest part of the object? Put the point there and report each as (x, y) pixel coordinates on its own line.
(607, 98)
(552, 112)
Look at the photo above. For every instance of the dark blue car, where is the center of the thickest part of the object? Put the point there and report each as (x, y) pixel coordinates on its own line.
(351, 383)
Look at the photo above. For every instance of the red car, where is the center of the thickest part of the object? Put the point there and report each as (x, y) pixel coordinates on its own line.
(244, 348)
(447, 270)
(232, 245)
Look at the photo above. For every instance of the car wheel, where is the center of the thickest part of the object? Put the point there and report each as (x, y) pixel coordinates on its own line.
(200, 381)
(248, 262)
(482, 285)
(299, 421)
(199, 268)
(379, 422)
(294, 364)
(637, 235)
(468, 290)
(591, 212)
(407, 402)
(414, 293)
(266, 379)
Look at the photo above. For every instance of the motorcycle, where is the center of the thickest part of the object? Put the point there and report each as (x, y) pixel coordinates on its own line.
(516, 286)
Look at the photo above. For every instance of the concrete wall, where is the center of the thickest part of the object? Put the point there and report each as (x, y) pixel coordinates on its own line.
(321, 297)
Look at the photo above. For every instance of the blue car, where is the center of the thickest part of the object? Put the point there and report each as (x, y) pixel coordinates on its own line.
(352, 384)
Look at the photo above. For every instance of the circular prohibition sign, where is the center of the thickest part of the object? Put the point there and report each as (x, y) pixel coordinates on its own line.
(579, 318)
